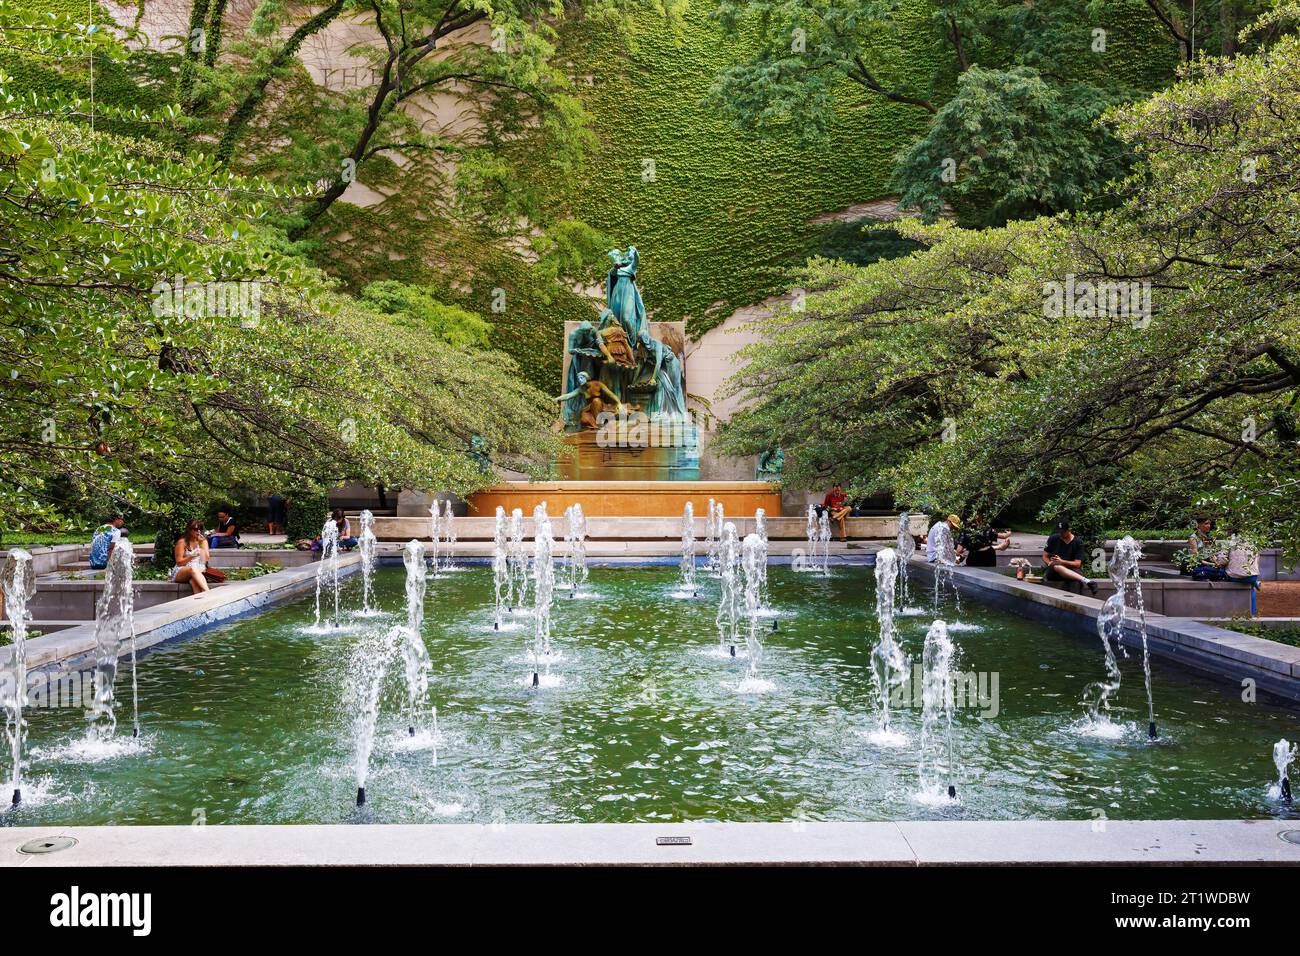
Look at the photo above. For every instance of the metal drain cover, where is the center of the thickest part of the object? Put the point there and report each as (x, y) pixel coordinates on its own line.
(1291, 836)
(51, 844)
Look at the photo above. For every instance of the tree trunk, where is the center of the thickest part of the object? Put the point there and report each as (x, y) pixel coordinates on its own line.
(185, 79)
(247, 109)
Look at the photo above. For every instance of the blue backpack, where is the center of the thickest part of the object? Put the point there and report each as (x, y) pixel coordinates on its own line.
(99, 547)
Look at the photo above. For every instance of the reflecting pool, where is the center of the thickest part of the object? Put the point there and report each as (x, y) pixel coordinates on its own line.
(646, 719)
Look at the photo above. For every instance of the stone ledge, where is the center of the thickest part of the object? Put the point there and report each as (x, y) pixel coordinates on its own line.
(1223, 653)
(165, 622)
(908, 843)
(638, 528)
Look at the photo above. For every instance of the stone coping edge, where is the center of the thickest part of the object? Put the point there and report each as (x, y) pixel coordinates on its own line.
(155, 625)
(903, 843)
(1274, 667)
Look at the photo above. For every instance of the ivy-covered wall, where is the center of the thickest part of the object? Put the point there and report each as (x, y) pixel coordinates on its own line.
(727, 214)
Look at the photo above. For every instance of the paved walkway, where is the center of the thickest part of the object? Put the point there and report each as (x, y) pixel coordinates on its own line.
(905, 843)
(1278, 599)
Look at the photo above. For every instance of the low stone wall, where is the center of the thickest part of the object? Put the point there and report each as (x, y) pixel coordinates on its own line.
(910, 843)
(74, 647)
(1176, 596)
(1274, 667)
(50, 559)
(873, 528)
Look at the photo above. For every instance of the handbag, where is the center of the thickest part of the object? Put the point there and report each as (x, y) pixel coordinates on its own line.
(214, 575)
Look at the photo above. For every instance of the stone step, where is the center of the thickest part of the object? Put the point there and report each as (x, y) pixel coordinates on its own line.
(879, 528)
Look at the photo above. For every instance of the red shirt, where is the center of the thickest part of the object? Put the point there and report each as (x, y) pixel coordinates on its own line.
(835, 499)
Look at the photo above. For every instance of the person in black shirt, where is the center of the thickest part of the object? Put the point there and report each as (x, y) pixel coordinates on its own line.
(1063, 555)
(983, 543)
(226, 534)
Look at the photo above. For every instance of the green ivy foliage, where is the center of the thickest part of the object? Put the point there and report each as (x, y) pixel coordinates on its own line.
(307, 511)
(728, 215)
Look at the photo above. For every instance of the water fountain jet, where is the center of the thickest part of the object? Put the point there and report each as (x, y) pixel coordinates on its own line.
(114, 627)
(328, 564)
(368, 547)
(936, 712)
(500, 567)
(543, 590)
(824, 539)
(1123, 570)
(1283, 753)
(688, 550)
(753, 559)
(367, 667)
(517, 561)
(888, 662)
(728, 616)
(906, 547)
(415, 656)
(19, 582)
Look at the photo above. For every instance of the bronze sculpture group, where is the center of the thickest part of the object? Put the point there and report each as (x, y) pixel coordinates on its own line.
(617, 360)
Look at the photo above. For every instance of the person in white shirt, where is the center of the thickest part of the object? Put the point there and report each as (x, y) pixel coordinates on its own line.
(952, 553)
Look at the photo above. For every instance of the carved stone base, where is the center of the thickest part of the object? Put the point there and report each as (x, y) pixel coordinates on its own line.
(663, 499)
(608, 456)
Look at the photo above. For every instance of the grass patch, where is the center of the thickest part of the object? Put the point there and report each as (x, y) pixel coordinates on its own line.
(1282, 633)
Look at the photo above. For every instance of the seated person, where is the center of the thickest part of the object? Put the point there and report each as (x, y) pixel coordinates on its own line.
(837, 503)
(1063, 555)
(956, 549)
(191, 559)
(982, 544)
(1198, 559)
(347, 541)
(1240, 562)
(226, 534)
(104, 540)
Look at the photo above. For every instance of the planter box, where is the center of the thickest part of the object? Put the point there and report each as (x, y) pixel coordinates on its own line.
(1178, 596)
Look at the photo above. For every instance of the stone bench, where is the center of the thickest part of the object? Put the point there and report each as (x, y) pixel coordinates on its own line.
(77, 600)
(231, 558)
(876, 527)
(1176, 596)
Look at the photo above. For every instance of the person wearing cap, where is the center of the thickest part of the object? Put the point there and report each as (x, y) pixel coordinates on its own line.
(1063, 555)
(932, 540)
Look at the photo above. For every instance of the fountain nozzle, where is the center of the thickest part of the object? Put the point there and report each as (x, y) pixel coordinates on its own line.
(496, 625)
(1151, 730)
(411, 728)
(1286, 791)
(135, 731)
(952, 792)
(572, 595)
(733, 650)
(774, 627)
(361, 796)
(536, 679)
(18, 796)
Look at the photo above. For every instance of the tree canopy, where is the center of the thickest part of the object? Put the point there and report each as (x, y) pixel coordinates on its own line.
(1135, 362)
(161, 341)
(1012, 94)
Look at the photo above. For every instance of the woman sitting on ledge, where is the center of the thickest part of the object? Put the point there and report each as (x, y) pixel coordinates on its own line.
(191, 558)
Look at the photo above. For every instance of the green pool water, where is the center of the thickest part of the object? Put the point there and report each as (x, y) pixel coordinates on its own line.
(247, 723)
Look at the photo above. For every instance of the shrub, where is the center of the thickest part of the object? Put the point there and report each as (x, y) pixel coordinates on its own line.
(308, 510)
